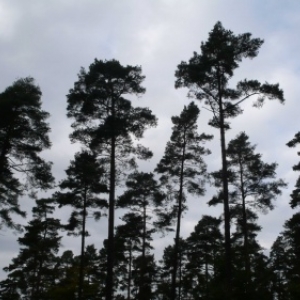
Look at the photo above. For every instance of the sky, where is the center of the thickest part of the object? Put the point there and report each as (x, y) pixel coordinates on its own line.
(51, 40)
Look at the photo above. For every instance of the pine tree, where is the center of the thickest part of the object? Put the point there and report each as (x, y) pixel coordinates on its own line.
(285, 261)
(295, 196)
(279, 264)
(207, 76)
(23, 135)
(142, 197)
(106, 122)
(204, 252)
(182, 170)
(128, 242)
(65, 281)
(65, 277)
(164, 274)
(252, 186)
(291, 235)
(31, 271)
(262, 279)
(85, 186)
(244, 252)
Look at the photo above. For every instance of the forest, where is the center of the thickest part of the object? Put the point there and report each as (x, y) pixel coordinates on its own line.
(220, 259)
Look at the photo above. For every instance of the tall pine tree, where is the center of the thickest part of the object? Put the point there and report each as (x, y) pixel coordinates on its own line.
(84, 188)
(106, 122)
(183, 170)
(142, 197)
(252, 186)
(207, 76)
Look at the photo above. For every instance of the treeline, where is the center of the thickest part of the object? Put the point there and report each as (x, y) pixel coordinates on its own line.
(211, 263)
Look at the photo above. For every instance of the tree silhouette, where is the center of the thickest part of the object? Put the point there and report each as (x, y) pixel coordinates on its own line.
(252, 185)
(245, 251)
(142, 197)
(65, 280)
(204, 252)
(183, 170)
(30, 273)
(286, 260)
(279, 264)
(128, 241)
(106, 122)
(23, 135)
(207, 76)
(84, 185)
(295, 201)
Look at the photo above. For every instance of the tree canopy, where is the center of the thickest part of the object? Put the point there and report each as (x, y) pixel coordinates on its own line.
(24, 134)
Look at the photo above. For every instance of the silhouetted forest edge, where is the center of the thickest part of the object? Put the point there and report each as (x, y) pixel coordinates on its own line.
(220, 259)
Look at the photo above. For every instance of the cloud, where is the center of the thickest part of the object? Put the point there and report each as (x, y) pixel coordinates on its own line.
(51, 40)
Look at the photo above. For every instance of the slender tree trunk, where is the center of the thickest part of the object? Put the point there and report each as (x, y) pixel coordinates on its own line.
(111, 212)
(206, 274)
(144, 230)
(41, 261)
(176, 247)
(225, 194)
(129, 272)
(81, 273)
(214, 261)
(180, 274)
(33, 291)
(39, 279)
(142, 288)
(245, 232)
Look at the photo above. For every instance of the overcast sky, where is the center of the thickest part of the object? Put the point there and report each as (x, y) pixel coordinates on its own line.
(51, 40)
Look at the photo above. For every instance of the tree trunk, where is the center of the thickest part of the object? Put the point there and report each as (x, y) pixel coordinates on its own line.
(206, 275)
(111, 212)
(81, 273)
(180, 273)
(176, 247)
(144, 230)
(225, 193)
(129, 272)
(41, 261)
(142, 288)
(245, 232)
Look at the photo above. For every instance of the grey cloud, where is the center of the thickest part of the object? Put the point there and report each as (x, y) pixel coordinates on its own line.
(51, 40)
